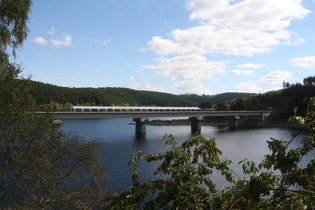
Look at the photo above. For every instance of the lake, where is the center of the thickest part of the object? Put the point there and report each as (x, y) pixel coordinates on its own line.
(118, 140)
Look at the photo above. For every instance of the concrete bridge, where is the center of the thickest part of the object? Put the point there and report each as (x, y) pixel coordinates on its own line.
(140, 116)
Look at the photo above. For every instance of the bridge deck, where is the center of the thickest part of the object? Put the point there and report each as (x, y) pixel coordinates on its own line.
(134, 114)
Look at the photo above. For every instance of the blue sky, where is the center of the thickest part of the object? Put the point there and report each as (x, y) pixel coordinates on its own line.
(174, 46)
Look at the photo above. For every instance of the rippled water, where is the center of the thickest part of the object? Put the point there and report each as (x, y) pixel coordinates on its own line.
(118, 141)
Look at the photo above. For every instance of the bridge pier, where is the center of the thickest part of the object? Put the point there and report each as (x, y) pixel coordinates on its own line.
(264, 116)
(195, 124)
(57, 123)
(140, 125)
(233, 122)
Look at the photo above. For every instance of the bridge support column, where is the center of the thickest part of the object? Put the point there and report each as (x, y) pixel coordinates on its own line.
(264, 115)
(57, 123)
(140, 125)
(195, 124)
(233, 122)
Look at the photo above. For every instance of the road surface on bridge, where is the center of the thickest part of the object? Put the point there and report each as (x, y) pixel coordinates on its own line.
(65, 115)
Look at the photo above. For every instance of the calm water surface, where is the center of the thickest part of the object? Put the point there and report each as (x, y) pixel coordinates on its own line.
(118, 140)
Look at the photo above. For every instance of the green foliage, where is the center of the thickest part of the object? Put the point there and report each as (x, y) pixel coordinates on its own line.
(205, 105)
(215, 99)
(47, 170)
(309, 81)
(239, 104)
(45, 94)
(183, 178)
(222, 106)
(14, 17)
(282, 102)
(40, 167)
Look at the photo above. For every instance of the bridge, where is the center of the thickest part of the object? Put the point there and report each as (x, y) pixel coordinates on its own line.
(140, 115)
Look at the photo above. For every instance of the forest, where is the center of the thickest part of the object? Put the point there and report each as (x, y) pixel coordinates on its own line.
(282, 102)
(52, 97)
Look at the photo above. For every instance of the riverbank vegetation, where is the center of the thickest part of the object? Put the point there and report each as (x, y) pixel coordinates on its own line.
(40, 167)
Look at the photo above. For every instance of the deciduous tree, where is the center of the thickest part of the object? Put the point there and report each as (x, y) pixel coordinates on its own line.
(40, 167)
(183, 179)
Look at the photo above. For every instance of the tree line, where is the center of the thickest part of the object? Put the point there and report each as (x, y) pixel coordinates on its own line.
(47, 95)
(54, 97)
(282, 102)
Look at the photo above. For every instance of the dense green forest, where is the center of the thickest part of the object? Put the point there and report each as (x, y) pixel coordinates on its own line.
(55, 97)
(46, 94)
(209, 101)
(283, 102)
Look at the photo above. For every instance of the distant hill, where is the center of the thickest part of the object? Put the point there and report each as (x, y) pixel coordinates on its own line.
(283, 101)
(215, 99)
(45, 94)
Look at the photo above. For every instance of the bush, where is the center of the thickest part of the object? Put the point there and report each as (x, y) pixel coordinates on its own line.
(183, 178)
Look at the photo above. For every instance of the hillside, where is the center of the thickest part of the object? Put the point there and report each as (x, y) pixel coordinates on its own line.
(283, 101)
(45, 94)
(49, 96)
(208, 101)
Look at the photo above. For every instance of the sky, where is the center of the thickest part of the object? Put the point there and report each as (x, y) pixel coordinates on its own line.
(174, 46)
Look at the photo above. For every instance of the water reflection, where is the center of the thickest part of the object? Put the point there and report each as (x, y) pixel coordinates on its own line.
(119, 140)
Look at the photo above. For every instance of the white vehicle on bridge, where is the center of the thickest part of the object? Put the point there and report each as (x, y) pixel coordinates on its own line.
(129, 109)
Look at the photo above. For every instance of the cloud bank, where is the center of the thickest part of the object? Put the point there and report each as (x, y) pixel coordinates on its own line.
(308, 61)
(225, 27)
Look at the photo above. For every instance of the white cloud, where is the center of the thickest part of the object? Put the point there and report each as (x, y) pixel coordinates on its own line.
(245, 28)
(105, 42)
(308, 61)
(298, 41)
(188, 71)
(242, 72)
(67, 41)
(132, 77)
(165, 46)
(40, 40)
(192, 86)
(52, 31)
(240, 28)
(245, 13)
(145, 86)
(248, 87)
(275, 77)
(250, 66)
